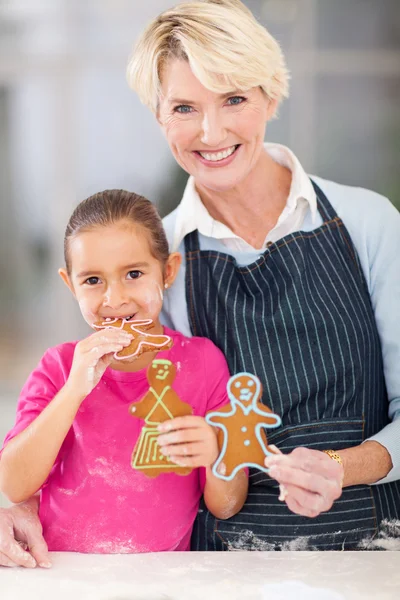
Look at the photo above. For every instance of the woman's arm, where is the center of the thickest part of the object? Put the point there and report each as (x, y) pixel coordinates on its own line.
(365, 464)
(312, 481)
(374, 226)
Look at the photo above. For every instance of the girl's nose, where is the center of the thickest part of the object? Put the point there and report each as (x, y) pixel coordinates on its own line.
(115, 296)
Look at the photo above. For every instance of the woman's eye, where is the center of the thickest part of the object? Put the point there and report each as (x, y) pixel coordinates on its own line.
(92, 280)
(183, 109)
(236, 100)
(134, 274)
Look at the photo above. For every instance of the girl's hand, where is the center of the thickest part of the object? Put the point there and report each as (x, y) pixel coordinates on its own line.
(189, 441)
(92, 356)
(309, 480)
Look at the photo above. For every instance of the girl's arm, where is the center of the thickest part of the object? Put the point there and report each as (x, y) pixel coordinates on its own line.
(28, 458)
(225, 498)
(191, 442)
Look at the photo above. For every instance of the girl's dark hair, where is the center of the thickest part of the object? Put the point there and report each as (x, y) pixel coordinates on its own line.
(112, 206)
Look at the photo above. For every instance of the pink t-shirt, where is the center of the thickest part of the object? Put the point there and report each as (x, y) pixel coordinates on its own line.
(93, 501)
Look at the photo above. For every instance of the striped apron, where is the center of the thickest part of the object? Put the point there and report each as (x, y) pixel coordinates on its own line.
(301, 319)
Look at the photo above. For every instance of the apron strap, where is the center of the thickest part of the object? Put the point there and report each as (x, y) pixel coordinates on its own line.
(192, 243)
(325, 208)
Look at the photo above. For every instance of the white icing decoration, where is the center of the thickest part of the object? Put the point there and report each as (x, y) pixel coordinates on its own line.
(133, 326)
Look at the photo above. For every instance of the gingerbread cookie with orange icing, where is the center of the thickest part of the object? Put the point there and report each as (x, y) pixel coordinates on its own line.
(159, 404)
(142, 341)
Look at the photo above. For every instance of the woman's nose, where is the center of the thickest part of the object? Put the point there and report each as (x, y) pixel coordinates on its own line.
(213, 131)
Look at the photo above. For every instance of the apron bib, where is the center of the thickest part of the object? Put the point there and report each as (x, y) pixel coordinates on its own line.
(301, 319)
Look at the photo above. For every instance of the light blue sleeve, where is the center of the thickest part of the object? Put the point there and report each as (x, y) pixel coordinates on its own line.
(374, 226)
(174, 313)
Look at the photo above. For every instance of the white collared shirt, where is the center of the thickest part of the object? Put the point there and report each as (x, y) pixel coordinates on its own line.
(192, 214)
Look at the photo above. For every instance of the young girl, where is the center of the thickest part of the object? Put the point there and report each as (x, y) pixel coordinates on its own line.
(74, 434)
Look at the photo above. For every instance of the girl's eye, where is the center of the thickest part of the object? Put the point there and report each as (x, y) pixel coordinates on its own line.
(236, 100)
(92, 280)
(183, 109)
(134, 274)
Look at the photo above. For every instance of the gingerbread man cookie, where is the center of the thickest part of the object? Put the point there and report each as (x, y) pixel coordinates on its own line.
(242, 439)
(141, 342)
(159, 404)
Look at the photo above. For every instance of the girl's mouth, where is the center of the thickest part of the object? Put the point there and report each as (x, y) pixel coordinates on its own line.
(129, 318)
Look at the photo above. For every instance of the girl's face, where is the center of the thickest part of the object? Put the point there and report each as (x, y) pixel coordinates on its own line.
(114, 274)
(218, 139)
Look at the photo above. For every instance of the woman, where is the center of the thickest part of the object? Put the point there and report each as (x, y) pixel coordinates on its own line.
(296, 280)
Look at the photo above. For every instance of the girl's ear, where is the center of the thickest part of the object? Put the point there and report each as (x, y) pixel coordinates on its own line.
(171, 268)
(65, 277)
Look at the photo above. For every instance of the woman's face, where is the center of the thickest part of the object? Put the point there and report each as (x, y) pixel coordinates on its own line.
(216, 138)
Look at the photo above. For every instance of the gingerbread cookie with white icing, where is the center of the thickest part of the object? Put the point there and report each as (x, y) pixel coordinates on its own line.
(142, 341)
(159, 404)
(242, 423)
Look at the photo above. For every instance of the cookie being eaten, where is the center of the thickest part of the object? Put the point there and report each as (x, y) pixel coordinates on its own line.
(142, 342)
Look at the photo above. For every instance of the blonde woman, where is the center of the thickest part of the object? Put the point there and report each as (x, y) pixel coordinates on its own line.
(296, 280)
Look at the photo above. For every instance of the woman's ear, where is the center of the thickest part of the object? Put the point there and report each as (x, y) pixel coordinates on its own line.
(65, 277)
(271, 109)
(171, 269)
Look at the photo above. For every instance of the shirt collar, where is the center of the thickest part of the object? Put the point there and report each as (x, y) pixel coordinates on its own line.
(192, 214)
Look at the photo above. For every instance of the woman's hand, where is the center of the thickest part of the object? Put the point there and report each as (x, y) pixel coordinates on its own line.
(21, 540)
(92, 356)
(309, 480)
(189, 441)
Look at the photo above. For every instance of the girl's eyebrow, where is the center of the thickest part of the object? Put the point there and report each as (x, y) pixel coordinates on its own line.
(131, 267)
(134, 266)
(86, 273)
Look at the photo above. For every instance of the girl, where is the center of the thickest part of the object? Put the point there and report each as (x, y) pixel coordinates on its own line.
(74, 433)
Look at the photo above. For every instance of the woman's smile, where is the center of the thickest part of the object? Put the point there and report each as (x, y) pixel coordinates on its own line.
(217, 158)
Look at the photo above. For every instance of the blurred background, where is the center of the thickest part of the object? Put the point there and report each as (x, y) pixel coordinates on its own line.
(70, 126)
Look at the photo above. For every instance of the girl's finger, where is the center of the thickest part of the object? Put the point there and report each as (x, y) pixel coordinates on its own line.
(187, 422)
(188, 461)
(104, 337)
(221, 469)
(183, 450)
(181, 436)
(99, 351)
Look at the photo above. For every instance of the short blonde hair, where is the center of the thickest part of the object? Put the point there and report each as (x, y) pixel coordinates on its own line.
(227, 49)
